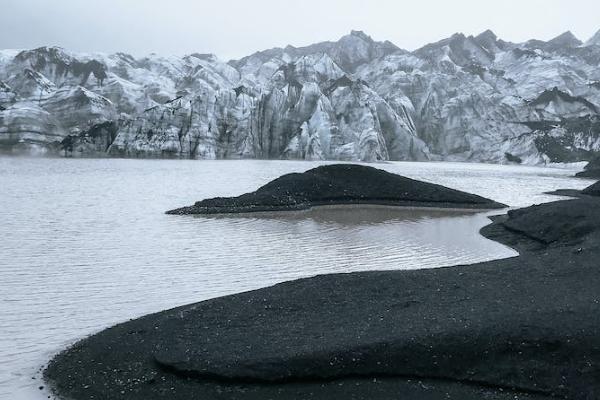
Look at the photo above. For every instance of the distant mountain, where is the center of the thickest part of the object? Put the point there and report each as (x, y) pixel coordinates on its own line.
(594, 40)
(348, 53)
(464, 98)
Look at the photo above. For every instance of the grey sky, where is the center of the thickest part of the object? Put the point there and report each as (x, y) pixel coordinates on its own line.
(234, 28)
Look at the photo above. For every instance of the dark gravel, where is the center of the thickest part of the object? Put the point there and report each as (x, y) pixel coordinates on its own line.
(340, 184)
(527, 327)
(592, 169)
(593, 190)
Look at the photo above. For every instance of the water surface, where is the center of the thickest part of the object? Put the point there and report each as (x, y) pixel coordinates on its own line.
(85, 243)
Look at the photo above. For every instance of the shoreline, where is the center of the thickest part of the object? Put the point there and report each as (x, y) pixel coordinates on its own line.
(268, 338)
(53, 155)
(521, 327)
(467, 209)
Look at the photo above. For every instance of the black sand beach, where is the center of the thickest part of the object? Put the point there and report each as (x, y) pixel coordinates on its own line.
(592, 169)
(593, 190)
(527, 327)
(338, 185)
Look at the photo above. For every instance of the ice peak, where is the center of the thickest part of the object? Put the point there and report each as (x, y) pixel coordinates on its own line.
(567, 39)
(594, 40)
(487, 35)
(361, 35)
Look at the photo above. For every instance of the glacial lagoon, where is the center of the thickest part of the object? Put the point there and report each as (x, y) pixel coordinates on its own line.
(86, 244)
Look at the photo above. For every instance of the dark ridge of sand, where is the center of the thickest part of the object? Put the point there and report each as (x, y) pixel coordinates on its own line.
(591, 170)
(589, 173)
(593, 190)
(527, 327)
(337, 185)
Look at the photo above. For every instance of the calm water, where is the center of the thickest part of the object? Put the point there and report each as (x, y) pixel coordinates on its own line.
(85, 244)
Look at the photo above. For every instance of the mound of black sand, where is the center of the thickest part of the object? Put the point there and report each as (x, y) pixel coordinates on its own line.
(522, 328)
(340, 184)
(592, 169)
(593, 190)
(562, 224)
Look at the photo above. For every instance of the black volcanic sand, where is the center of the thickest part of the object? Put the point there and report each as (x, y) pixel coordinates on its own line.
(592, 169)
(521, 328)
(340, 184)
(593, 190)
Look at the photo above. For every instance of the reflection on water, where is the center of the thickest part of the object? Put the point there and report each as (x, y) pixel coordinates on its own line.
(350, 215)
(86, 244)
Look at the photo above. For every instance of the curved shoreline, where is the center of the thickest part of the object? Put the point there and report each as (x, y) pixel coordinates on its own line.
(591, 170)
(406, 206)
(530, 324)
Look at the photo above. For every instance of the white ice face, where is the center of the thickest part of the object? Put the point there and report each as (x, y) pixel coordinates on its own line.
(462, 99)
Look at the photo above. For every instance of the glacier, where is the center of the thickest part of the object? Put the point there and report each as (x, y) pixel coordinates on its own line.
(464, 98)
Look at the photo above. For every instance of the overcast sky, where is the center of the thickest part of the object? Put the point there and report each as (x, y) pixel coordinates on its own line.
(235, 28)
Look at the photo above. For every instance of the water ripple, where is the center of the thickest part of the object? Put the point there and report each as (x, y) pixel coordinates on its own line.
(85, 243)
